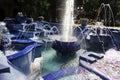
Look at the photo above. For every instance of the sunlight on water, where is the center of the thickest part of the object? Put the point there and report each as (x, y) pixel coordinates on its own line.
(51, 62)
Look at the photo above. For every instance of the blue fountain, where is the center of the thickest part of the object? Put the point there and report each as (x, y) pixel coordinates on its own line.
(66, 48)
(67, 43)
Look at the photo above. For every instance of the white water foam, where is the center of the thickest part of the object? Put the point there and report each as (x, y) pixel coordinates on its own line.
(68, 21)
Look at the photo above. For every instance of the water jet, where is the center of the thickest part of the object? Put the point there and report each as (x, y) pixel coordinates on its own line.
(67, 44)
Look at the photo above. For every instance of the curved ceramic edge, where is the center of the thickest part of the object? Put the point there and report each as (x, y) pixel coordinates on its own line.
(23, 52)
(61, 73)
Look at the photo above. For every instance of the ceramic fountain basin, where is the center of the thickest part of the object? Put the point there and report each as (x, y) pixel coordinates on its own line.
(66, 48)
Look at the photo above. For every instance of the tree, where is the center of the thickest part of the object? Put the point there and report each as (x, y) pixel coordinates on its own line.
(48, 8)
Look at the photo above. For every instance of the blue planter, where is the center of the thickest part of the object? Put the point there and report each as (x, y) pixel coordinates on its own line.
(100, 42)
(21, 43)
(66, 48)
(8, 71)
(84, 23)
(24, 58)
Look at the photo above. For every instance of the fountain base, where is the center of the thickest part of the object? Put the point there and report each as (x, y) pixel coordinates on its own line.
(100, 42)
(66, 48)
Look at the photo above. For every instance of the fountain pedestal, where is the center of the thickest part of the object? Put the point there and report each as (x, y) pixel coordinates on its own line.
(66, 48)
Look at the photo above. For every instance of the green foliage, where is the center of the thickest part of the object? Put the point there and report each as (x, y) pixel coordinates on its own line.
(42, 6)
(47, 8)
(118, 6)
(34, 8)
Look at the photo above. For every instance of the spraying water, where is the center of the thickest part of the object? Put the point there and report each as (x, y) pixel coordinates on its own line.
(108, 16)
(68, 21)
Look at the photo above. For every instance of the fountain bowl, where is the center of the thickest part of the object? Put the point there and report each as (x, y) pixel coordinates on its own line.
(66, 48)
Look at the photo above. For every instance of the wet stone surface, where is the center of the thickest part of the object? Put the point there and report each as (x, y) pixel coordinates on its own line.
(110, 64)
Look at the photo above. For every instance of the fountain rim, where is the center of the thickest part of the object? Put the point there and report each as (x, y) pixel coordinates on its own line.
(62, 41)
(26, 50)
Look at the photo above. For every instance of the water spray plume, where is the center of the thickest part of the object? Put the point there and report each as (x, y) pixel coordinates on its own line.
(68, 20)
